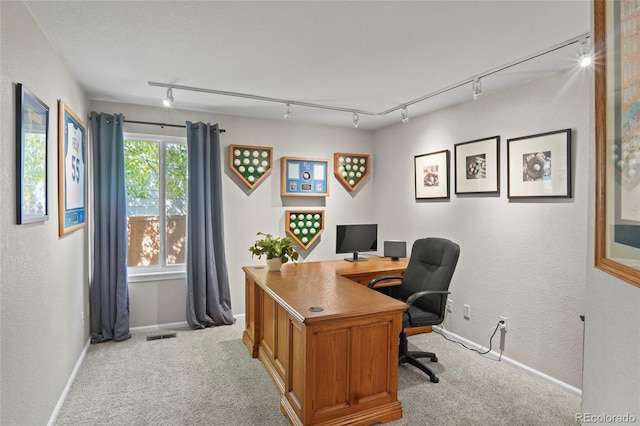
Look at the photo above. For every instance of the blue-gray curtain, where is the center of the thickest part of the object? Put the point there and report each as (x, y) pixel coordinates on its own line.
(109, 290)
(208, 295)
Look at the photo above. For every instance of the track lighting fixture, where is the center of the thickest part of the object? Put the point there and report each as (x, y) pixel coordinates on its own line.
(584, 55)
(404, 114)
(168, 100)
(477, 88)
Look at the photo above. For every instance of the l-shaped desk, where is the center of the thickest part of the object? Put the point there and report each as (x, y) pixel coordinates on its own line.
(329, 343)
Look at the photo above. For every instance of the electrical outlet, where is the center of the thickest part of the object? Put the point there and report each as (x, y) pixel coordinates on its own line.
(449, 305)
(467, 311)
(503, 326)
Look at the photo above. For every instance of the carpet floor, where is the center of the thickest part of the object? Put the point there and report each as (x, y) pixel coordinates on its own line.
(206, 377)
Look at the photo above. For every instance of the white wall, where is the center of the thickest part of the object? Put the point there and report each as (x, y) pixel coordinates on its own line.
(524, 260)
(246, 212)
(44, 278)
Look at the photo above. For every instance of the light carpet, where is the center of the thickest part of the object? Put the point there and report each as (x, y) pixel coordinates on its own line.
(206, 377)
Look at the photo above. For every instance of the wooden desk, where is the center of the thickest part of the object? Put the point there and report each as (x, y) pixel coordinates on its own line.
(337, 366)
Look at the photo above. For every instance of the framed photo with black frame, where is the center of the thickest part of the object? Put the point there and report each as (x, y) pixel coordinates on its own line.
(477, 166)
(431, 172)
(32, 138)
(72, 160)
(540, 165)
(617, 112)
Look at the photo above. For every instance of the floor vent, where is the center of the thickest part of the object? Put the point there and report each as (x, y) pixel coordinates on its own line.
(161, 336)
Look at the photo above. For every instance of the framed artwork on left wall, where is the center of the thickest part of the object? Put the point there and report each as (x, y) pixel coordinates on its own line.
(32, 137)
(72, 157)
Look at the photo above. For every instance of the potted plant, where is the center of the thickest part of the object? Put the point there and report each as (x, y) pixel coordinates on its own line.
(278, 250)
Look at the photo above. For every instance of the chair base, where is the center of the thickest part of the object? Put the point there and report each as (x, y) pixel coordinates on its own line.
(412, 358)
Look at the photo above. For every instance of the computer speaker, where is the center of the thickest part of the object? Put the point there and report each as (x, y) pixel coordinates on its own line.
(395, 249)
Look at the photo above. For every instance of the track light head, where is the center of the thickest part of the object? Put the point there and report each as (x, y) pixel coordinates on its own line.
(168, 100)
(404, 114)
(287, 111)
(477, 88)
(356, 119)
(584, 54)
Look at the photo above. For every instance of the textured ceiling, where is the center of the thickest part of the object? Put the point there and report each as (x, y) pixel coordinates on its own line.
(365, 55)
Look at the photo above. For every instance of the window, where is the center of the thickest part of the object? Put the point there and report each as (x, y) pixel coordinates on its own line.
(156, 183)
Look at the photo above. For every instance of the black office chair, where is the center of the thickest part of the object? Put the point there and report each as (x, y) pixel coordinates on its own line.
(424, 287)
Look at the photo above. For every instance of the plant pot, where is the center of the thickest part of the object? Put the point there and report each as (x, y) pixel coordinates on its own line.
(274, 264)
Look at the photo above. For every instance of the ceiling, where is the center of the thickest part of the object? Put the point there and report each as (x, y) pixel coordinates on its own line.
(362, 55)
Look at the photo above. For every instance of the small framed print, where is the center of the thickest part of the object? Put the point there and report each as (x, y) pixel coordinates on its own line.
(304, 226)
(477, 166)
(351, 169)
(540, 165)
(304, 177)
(72, 160)
(432, 175)
(32, 136)
(252, 164)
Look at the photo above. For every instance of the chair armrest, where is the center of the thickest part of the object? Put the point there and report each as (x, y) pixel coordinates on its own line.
(373, 282)
(416, 296)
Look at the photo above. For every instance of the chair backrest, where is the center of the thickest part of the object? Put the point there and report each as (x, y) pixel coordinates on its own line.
(430, 267)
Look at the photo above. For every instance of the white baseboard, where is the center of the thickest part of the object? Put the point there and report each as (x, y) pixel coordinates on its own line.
(553, 380)
(72, 377)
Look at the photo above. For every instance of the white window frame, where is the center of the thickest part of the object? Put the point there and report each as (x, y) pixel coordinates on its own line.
(158, 272)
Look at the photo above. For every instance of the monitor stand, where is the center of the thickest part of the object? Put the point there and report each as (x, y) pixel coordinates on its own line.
(355, 258)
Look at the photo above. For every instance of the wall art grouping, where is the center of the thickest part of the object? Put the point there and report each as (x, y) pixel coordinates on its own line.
(32, 138)
(538, 166)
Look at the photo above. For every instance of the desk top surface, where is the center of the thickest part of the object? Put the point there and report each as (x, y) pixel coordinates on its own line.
(304, 286)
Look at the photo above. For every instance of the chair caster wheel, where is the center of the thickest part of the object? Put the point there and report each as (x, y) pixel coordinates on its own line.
(434, 359)
(434, 380)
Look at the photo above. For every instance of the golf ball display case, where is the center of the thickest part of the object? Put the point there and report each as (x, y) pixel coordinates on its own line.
(351, 169)
(304, 226)
(252, 164)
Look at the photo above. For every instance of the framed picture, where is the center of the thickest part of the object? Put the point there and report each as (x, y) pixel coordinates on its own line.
(351, 169)
(540, 165)
(477, 165)
(72, 158)
(32, 136)
(432, 175)
(617, 239)
(252, 164)
(304, 226)
(304, 177)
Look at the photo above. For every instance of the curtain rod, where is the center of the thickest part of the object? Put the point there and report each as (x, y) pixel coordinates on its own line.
(153, 123)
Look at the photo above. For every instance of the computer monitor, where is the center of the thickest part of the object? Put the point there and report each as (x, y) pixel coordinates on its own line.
(356, 239)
